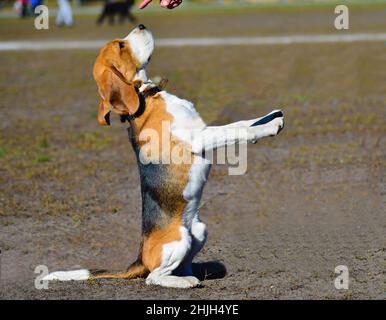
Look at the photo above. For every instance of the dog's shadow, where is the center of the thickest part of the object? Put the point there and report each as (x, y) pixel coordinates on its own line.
(209, 270)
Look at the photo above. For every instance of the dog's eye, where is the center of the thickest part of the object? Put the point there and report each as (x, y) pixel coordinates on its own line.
(121, 44)
(148, 60)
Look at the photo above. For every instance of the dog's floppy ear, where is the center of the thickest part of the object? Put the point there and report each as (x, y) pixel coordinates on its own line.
(117, 95)
(104, 114)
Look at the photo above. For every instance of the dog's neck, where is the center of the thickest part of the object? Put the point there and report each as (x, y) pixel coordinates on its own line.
(146, 90)
(147, 86)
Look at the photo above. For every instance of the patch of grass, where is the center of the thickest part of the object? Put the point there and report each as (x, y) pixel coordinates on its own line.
(43, 158)
(13, 207)
(56, 207)
(2, 152)
(78, 218)
(48, 170)
(307, 156)
(6, 222)
(300, 98)
(94, 114)
(93, 140)
(44, 144)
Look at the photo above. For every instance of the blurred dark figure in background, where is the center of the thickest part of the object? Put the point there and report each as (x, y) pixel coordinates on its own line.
(25, 11)
(112, 8)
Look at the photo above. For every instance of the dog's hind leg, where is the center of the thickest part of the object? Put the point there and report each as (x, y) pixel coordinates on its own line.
(199, 235)
(163, 252)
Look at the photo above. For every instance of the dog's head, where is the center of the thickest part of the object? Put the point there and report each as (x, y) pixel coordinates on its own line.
(119, 70)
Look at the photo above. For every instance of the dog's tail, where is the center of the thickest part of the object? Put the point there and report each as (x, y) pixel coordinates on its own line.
(136, 270)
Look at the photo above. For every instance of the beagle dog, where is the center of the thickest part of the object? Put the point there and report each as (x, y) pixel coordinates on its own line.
(172, 231)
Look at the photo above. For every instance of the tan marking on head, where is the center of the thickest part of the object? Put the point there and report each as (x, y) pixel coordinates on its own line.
(114, 71)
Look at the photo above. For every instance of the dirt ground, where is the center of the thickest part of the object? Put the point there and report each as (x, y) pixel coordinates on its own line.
(313, 198)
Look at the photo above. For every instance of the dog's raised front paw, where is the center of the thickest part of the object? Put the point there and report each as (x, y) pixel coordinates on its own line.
(269, 125)
(276, 125)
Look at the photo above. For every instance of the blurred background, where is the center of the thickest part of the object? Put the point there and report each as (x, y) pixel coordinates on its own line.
(312, 199)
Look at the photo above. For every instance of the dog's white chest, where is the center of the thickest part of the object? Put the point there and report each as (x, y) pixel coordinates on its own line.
(186, 119)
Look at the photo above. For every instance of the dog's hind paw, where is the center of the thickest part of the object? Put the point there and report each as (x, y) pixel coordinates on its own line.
(173, 281)
(193, 281)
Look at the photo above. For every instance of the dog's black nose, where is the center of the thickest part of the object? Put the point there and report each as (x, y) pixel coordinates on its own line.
(141, 27)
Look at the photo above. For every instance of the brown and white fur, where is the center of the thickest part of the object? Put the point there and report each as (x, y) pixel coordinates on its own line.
(172, 231)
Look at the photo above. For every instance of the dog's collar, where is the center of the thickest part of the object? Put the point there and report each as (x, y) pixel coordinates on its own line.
(150, 91)
(146, 86)
(147, 90)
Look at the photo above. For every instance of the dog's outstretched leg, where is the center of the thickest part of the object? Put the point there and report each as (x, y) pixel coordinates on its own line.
(239, 132)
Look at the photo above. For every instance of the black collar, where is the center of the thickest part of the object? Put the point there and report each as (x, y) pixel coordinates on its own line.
(147, 93)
